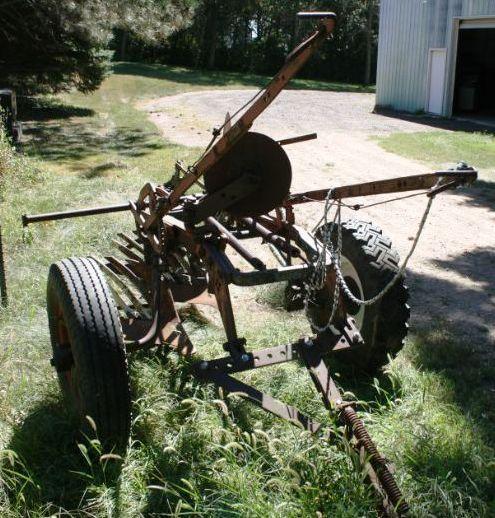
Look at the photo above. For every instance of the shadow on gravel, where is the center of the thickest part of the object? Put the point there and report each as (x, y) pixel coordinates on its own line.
(453, 331)
(437, 122)
(481, 194)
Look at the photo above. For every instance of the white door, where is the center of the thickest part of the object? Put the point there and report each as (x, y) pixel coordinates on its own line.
(438, 62)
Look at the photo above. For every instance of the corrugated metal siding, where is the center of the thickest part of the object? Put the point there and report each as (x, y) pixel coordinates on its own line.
(408, 29)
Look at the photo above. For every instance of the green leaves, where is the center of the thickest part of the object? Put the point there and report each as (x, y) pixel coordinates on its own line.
(49, 46)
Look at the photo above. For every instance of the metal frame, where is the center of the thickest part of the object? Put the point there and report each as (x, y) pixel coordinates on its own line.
(180, 253)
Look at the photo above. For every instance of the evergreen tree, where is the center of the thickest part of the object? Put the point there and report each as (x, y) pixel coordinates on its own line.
(52, 45)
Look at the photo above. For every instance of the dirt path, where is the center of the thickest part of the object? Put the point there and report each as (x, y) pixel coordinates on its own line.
(452, 274)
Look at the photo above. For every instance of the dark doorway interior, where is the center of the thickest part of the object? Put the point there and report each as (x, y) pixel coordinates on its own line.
(475, 74)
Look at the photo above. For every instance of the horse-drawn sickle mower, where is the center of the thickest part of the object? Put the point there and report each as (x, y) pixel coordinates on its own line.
(346, 275)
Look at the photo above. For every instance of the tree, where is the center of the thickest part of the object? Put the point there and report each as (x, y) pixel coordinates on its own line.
(52, 45)
(370, 31)
(256, 35)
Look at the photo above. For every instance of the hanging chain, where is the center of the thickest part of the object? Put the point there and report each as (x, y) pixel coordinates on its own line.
(318, 278)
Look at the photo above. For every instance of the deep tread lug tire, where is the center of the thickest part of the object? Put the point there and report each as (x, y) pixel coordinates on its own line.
(86, 333)
(383, 325)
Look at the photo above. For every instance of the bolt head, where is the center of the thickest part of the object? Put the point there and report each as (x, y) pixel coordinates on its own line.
(245, 357)
(356, 338)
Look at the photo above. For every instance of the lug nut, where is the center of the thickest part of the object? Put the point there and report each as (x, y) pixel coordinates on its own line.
(308, 342)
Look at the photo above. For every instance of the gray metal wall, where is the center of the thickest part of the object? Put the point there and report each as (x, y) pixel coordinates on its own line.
(408, 29)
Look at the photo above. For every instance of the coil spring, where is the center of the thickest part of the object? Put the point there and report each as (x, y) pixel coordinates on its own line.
(378, 463)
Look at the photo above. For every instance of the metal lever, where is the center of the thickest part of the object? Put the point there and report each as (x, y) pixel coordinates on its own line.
(316, 15)
(295, 140)
(443, 187)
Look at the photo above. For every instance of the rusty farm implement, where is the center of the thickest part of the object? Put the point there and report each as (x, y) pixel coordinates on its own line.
(346, 276)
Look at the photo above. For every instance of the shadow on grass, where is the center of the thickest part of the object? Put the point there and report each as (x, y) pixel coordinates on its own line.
(58, 475)
(56, 142)
(223, 78)
(43, 109)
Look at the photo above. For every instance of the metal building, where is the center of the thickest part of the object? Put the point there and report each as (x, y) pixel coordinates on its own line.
(437, 56)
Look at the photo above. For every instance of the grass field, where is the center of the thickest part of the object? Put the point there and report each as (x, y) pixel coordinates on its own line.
(444, 147)
(192, 453)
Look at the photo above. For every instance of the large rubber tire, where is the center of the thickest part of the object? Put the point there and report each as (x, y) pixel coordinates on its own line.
(88, 350)
(369, 262)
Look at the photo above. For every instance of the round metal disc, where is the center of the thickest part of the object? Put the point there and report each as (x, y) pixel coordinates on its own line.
(258, 155)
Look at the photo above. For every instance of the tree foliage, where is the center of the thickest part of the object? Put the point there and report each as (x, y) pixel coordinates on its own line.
(51, 45)
(256, 35)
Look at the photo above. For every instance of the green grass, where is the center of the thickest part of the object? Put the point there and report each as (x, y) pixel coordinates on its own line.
(177, 76)
(193, 453)
(443, 147)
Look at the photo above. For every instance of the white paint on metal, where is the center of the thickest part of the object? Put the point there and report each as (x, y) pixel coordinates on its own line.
(436, 75)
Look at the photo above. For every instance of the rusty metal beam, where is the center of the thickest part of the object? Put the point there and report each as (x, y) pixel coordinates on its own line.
(236, 244)
(392, 185)
(261, 399)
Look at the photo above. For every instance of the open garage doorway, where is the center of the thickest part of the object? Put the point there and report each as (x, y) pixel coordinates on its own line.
(474, 96)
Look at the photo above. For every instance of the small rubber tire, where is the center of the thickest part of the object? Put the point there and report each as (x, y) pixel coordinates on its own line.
(383, 325)
(88, 350)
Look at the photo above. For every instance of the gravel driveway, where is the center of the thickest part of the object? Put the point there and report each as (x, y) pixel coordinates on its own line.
(451, 275)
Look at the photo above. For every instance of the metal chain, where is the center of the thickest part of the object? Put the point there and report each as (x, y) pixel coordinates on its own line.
(318, 278)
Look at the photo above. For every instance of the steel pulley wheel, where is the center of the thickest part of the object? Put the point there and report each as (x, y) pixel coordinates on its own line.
(88, 350)
(263, 159)
(368, 263)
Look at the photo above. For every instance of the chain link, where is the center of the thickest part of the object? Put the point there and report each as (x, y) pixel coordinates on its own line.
(326, 246)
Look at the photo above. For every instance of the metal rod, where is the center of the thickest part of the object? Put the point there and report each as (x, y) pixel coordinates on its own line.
(295, 140)
(237, 245)
(270, 237)
(52, 216)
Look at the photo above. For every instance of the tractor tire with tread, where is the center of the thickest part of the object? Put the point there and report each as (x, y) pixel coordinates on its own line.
(383, 325)
(89, 351)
